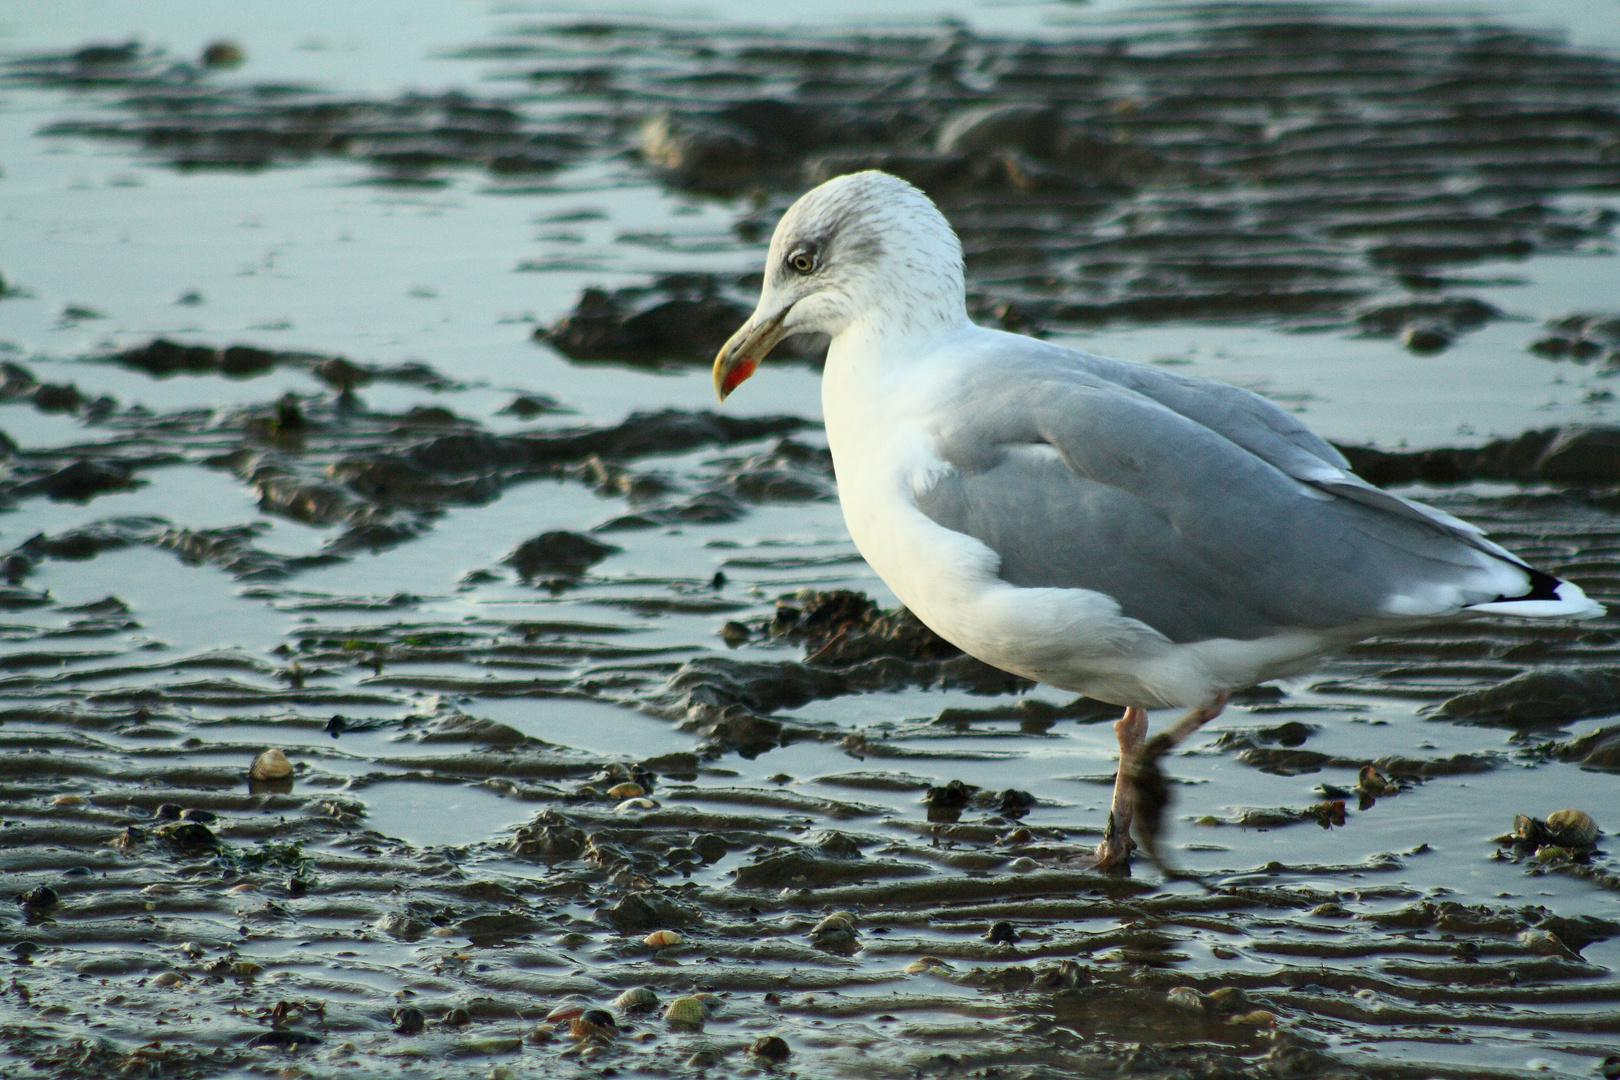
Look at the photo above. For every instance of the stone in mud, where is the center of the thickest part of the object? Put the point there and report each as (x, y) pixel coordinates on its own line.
(560, 553)
(680, 317)
(161, 357)
(703, 153)
(1543, 697)
(805, 869)
(1585, 455)
(39, 898)
(548, 842)
(83, 481)
(1599, 749)
(409, 1020)
(461, 728)
(641, 911)
(57, 397)
(189, 834)
(710, 848)
(1446, 316)
(283, 1039)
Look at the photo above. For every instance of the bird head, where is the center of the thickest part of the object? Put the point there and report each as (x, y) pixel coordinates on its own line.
(864, 250)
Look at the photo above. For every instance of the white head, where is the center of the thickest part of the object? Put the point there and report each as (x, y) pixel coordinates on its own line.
(865, 251)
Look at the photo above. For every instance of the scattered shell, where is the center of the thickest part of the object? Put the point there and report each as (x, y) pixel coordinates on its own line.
(927, 963)
(159, 889)
(168, 978)
(409, 1020)
(703, 1059)
(270, 765)
(68, 800)
(542, 1033)
(835, 930)
(245, 969)
(1257, 1018)
(687, 1010)
(1185, 997)
(1572, 828)
(714, 1004)
(1226, 999)
(566, 1011)
(1023, 865)
(631, 806)
(660, 939)
(1546, 943)
(243, 888)
(596, 1024)
(771, 1048)
(626, 790)
(1372, 782)
(192, 949)
(636, 999)
(456, 1017)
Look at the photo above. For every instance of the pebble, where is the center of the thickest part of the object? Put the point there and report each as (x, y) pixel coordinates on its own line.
(771, 1048)
(1185, 997)
(409, 1020)
(1002, 933)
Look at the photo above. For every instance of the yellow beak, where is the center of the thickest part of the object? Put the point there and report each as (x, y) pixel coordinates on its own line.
(740, 356)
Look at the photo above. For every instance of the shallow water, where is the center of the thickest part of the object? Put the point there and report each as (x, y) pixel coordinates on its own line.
(239, 575)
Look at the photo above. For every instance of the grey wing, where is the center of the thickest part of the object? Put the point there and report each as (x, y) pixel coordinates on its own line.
(1251, 422)
(1075, 482)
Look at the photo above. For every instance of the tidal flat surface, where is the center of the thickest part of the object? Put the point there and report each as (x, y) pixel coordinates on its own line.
(356, 406)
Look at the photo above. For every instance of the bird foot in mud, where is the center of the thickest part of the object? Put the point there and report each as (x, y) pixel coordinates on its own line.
(1114, 853)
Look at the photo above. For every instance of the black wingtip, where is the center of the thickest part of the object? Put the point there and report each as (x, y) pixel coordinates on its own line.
(1543, 586)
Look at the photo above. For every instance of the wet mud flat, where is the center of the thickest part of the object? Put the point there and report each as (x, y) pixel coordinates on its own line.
(601, 757)
(904, 900)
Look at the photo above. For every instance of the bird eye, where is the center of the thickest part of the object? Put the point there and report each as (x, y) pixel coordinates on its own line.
(803, 261)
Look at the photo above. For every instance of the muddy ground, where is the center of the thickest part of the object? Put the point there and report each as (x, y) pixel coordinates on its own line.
(553, 678)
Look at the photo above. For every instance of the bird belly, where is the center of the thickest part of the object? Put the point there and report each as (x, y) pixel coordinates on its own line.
(1074, 639)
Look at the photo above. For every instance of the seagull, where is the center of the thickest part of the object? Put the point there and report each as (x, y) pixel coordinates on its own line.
(1103, 526)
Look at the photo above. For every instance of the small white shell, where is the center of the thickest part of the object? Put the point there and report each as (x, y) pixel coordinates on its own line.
(271, 765)
(566, 1011)
(636, 999)
(168, 978)
(159, 889)
(926, 963)
(660, 939)
(631, 806)
(686, 1010)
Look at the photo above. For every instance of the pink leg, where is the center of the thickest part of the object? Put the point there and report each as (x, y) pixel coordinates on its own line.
(1131, 730)
(1152, 793)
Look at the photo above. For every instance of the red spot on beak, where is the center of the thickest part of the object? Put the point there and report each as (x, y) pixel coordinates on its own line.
(734, 378)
